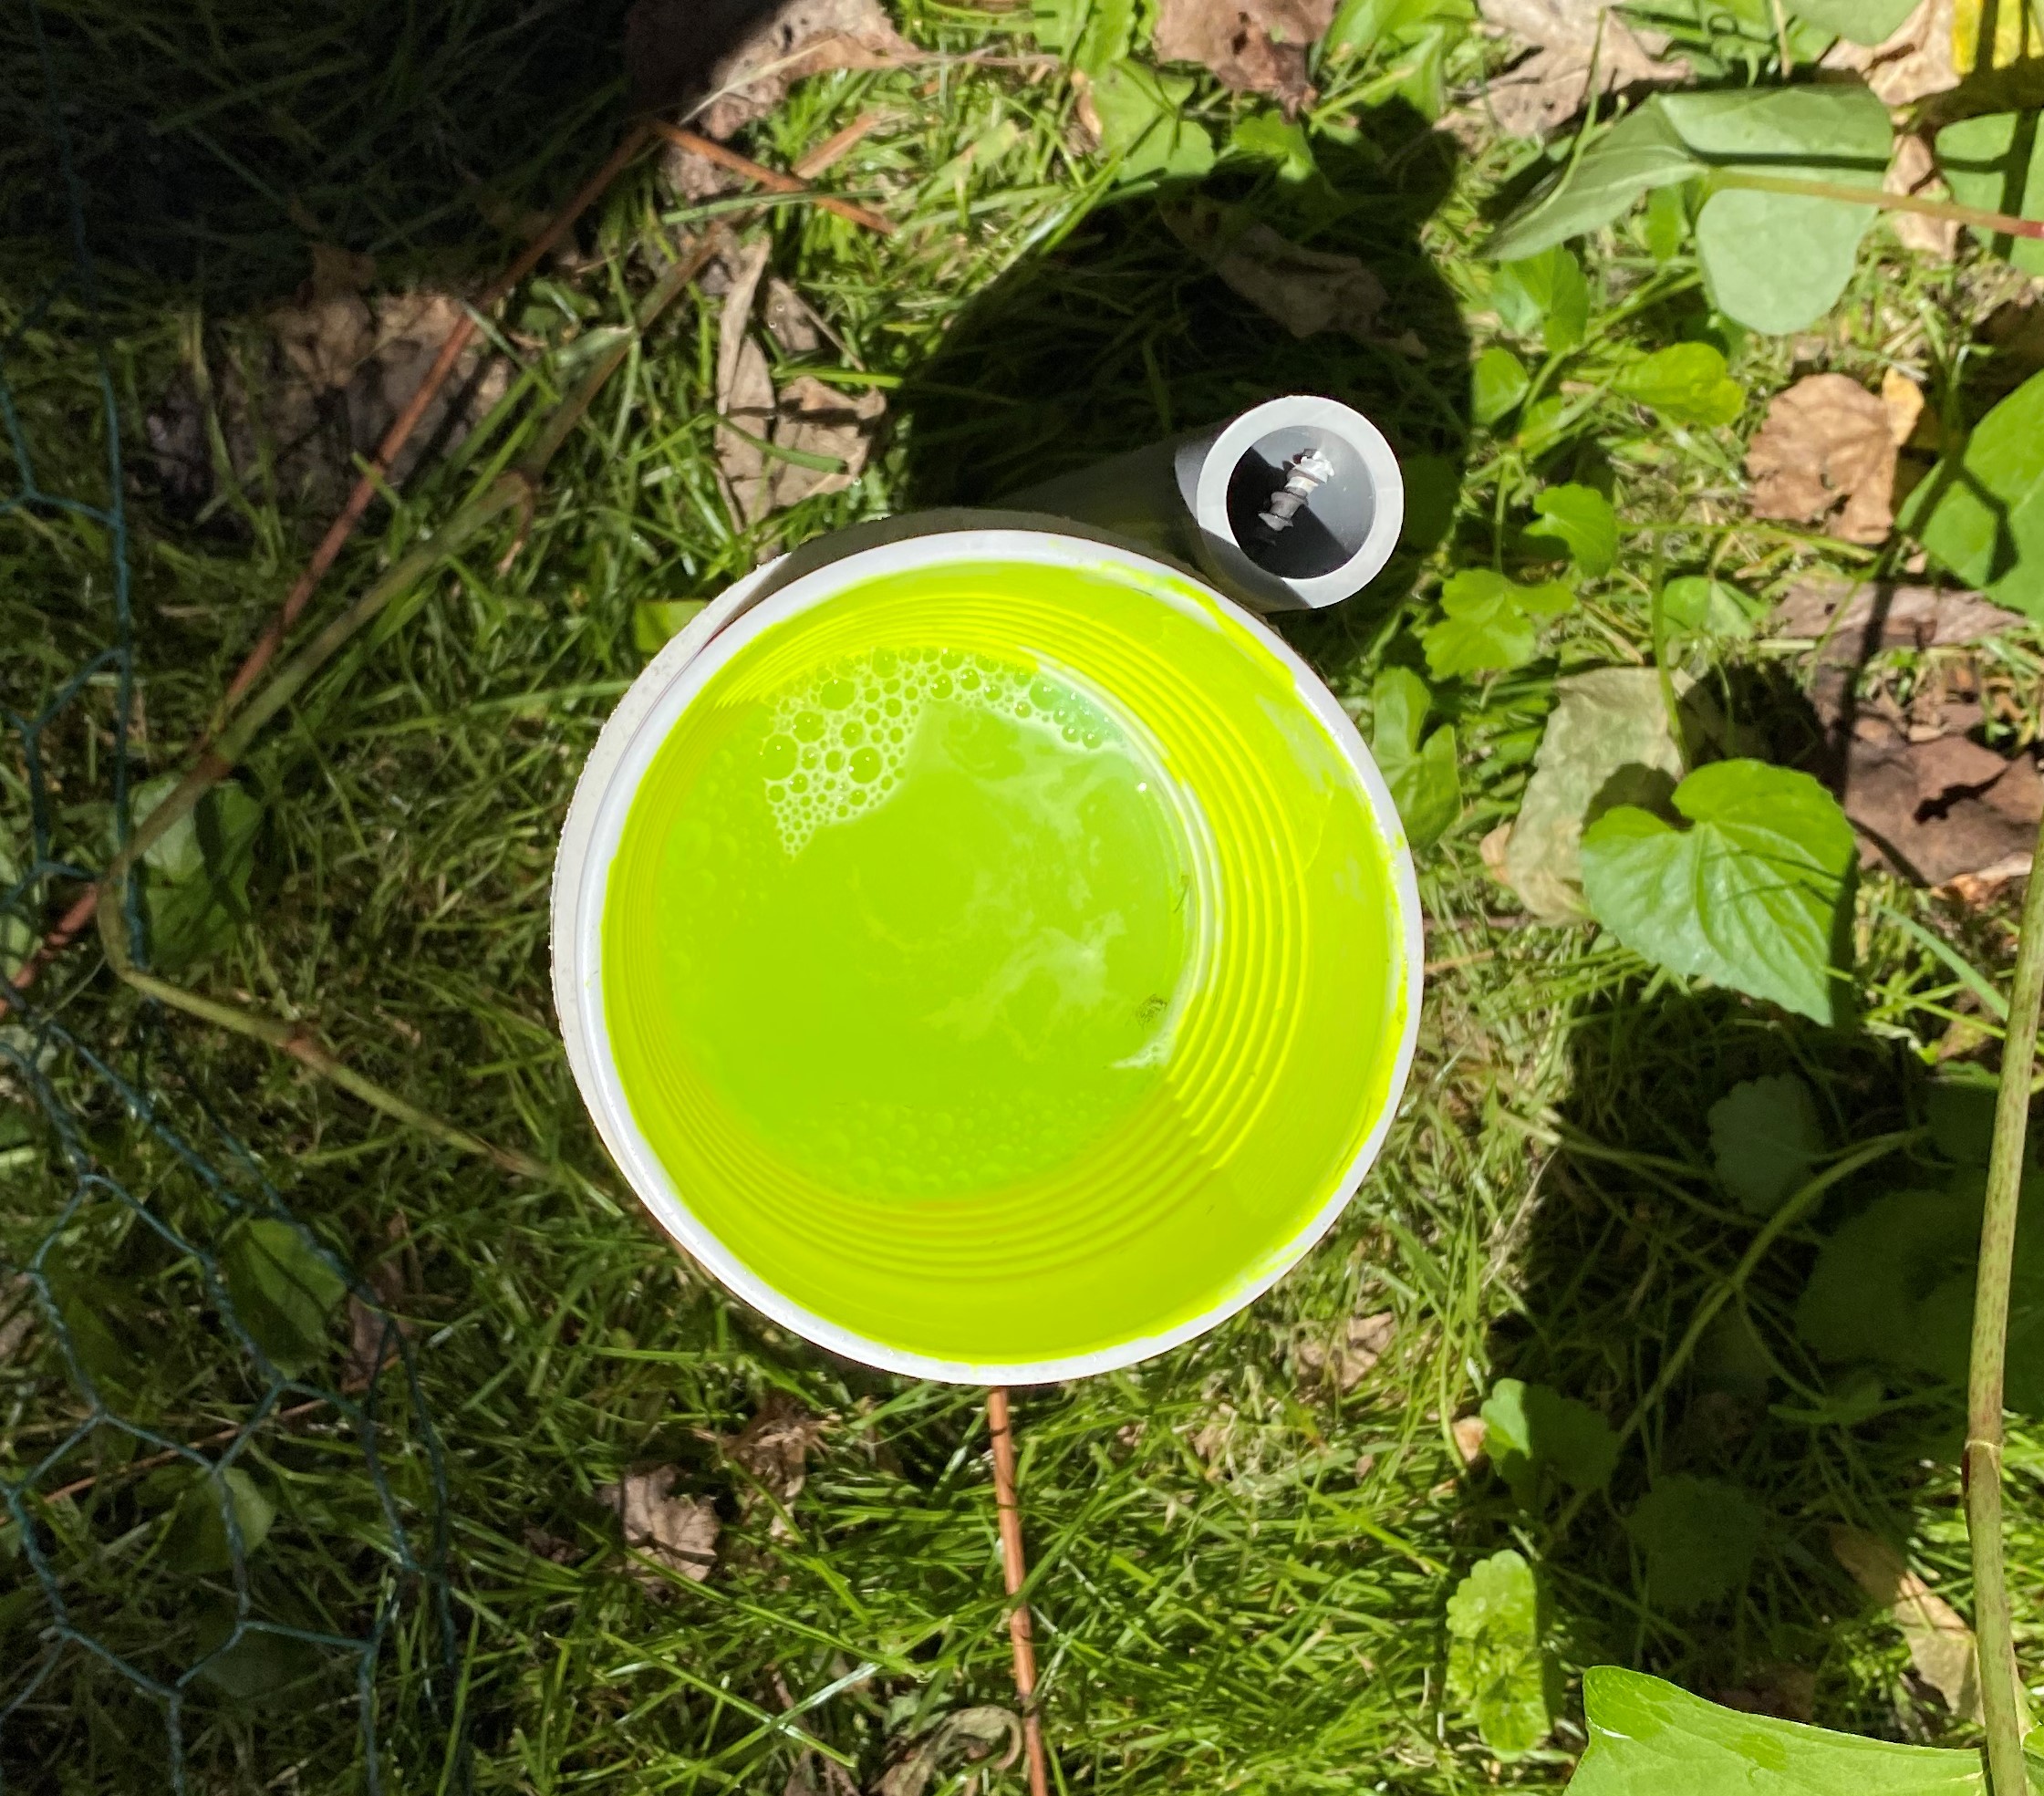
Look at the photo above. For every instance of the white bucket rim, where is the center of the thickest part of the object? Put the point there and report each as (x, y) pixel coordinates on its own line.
(609, 779)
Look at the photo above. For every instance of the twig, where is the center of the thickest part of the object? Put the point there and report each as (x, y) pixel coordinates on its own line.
(1015, 1570)
(2001, 1686)
(773, 180)
(150, 1462)
(1997, 224)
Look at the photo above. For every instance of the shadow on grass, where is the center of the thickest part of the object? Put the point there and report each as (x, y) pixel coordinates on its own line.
(1121, 336)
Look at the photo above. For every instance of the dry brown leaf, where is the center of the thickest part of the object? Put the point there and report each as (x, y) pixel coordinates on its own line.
(1903, 400)
(968, 1735)
(775, 1445)
(1941, 1645)
(1913, 62)
(815, 419)
(1306, 290)
(372, 1343)
(744, 389)
(1933, 811)
(1854, 619)
(1826, 447)
(1914, 172)
(1253, 47)
(1362, 1343)
(1469, 1432)
(682, 53)
(17, 1314)
(791, 321)
(549, 1547)
(1787, 1692)
(678, 1533)
(692, 179)
(1549, 88)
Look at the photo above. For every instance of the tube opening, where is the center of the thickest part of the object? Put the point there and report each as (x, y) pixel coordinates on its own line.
(1301, 502)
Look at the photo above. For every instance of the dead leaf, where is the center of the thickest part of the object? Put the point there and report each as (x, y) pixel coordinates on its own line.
(693, 178)
(1903, 400)
(1826, 448)
(1549, 88)
(549, 1547)
(814, 419)
(1933, 811)
(1787, 1692)
(1252, 46)
(744, 389)
(337, 271)
(1913, 62)
(17, 1314)
(775, 1445)
(683, 53)
(1854, 619)
(791, 321)
(372, 1343)
(678, 1533)
(1469, 1432)
(1362, 1343)
(1941, 1645)
(1914, 172)
(968, 1736)
(1306, 290)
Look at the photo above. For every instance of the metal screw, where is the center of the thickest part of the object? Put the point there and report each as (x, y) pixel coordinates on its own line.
(1308, 471)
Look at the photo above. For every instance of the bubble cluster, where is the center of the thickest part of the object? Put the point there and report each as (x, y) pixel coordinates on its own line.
(837, 745)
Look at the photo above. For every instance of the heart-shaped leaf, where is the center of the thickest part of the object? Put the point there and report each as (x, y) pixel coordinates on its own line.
(1582, 520)
(1422, 775)
(198, 1540)
(1495, 1669)
(1996, 163)
(1712, 611)
(283, 1288)
(1981, 511)
(1750, 896)
(1545, 292)
(1650, 1738)
(1765, 1136)
(1685, 383)
(1497, 383)
(1531, 1430)
(1490, 622)
(1642, 152)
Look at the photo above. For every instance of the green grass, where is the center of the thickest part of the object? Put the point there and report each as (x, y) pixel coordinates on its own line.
(1241, 1570)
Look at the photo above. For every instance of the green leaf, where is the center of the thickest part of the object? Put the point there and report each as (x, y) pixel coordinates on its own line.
(1272, 137)
(1667, 223)
(1649, 1738)
(1685, 383)
(1089, 33)
(283, 1289)
(195, 876)
(657, 621)
(1861, 21)
(1495, 1670)
(1996, 163)
(1699, 1536)
(1607, 742)
(1582, 520)
(1693, 605)
(1363, 24)
(1489, 622)
(1546, 292)
(1765, 1136)
(1432, 491)
(1422, 775)
(257, 1666)
(1641, 152)
(1778, 261)
(1529, 1429)
(1750, 895)
(1961, 1115)
(197, 1540)
(1497, 383)
(1141, 123)
(1981, 511)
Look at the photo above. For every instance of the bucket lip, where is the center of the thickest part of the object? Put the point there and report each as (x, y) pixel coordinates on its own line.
(589, 838)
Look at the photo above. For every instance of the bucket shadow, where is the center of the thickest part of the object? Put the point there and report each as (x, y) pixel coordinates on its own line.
(1123, 335)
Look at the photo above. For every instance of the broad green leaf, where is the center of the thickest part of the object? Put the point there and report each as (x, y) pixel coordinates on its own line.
(1490, 622)
(1894, 1287)
(1363, 24)
(1529, 1429)
(1996, 163)
(1650, 1738)
(1270, 137)
(1667, 223)
(1685, 383)
(1981, 511)
(258, 1665)
(1608, 741)
(1545, 292)
(1422, 775)
(1581, 519)
(1432, 491)
(1497, 383)
(1778, 261)
(283, 1289)
(94, 1316)
(1641, 152)
(1091, 35)
(1495, 1669)
(1861, 21)
(1750, 896)
(1765, 1136)
(197, 1540)
(1961, 1115)
(1698, 1536)
(1141, 124)
(657, 621)
(1694, 605)
(195, 876)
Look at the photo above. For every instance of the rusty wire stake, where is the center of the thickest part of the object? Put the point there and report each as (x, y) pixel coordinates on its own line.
(1014, 1568)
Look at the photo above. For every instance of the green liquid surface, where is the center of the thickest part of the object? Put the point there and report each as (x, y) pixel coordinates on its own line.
(1001, 962)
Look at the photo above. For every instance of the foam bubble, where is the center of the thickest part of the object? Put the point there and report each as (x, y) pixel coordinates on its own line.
(836, 744)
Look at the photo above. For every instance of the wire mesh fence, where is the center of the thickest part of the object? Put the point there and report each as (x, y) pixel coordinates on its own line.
(225, 1501)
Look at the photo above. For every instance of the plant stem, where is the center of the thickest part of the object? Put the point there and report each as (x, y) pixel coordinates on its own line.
(1996, 223)
(2001, 1685)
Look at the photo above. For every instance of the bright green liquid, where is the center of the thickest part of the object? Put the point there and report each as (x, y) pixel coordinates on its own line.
(951, 959)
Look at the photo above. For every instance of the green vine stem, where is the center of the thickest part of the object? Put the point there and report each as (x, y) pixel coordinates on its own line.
(514, 490)
(1996, 223)
(2001, 1685)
